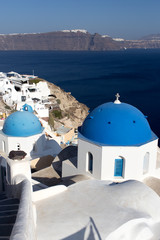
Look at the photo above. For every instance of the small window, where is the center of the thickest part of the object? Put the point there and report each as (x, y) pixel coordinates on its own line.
(90, 162)
(23, 98)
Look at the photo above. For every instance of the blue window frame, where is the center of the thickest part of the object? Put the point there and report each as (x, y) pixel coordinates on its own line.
(118, 167)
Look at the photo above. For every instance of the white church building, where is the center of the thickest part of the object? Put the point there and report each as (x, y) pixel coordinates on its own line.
(23, 131)
(115, 142)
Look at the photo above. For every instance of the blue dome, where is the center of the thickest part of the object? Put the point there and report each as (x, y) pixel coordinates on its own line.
(117, 125)
(27, 107)
(22, 124)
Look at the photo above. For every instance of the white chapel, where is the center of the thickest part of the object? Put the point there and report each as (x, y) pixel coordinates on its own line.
(23, 131)
(116, 143)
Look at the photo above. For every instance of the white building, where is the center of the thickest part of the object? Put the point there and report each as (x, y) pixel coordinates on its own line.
(22, 130)
(115, 142)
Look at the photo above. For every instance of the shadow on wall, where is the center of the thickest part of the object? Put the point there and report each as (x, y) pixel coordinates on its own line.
(38, 146)
(45, 147)
(48, 181)
(42, 162)
(69, 153)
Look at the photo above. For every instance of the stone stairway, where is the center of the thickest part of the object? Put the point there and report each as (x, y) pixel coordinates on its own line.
(8, 213)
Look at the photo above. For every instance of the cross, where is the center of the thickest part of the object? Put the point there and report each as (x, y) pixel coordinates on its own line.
(117, 96)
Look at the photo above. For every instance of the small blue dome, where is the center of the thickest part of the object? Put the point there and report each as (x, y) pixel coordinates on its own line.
(117, 125)
(22, 124)
(27, 107)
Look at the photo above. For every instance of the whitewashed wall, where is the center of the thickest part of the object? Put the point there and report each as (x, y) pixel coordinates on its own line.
(83, 148)
(104, 159)
(26, 143)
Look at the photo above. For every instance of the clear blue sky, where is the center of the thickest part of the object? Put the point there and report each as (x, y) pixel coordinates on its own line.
(129, 19)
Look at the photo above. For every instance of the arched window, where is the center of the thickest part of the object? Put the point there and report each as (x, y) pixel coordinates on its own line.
(3, 146)
(118, 167)
(18, 146)
(146, 163)
(90, 162)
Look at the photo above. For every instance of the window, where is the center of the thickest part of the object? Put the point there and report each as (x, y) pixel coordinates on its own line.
(3, 146)
(23, 98)
(146, 163)
(90, 162)
(118, 167)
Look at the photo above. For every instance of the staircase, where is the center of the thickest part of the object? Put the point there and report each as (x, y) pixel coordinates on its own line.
(8, 213)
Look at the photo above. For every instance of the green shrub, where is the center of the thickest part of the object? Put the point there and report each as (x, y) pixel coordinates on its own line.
(51, 120)
(58, 101)
(35, 80)
(57, 114)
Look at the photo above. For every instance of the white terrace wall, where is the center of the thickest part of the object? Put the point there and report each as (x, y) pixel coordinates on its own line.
(25, 225)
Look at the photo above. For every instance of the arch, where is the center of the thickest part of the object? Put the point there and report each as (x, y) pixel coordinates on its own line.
(90, 162)
(3, 146)
(146, 163)
(119, 167)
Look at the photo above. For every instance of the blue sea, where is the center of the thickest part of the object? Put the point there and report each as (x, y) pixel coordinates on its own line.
(94, 78)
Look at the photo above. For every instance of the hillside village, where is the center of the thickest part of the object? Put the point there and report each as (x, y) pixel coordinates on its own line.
(58, 110)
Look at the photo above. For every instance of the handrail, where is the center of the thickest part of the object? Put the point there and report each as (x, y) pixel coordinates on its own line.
(24, 227)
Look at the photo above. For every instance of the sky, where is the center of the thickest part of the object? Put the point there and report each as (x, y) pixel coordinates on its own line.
(129, 19)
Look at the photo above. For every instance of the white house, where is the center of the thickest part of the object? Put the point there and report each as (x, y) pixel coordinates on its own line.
(115, 142)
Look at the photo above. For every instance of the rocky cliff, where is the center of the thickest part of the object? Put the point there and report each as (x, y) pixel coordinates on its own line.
(65, 41)
(71, 40)
(71, 112)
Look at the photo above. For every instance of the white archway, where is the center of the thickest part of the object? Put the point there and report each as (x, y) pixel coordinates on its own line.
(3, 146)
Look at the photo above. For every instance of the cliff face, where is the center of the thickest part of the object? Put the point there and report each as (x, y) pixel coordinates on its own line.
(66, 41)
(73, 112)
(143, 44)
(73, 41)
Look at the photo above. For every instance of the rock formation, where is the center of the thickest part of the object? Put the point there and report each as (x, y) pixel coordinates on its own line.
(73, 113)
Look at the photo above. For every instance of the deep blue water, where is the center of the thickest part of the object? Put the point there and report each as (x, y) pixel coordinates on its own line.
(95, 77)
